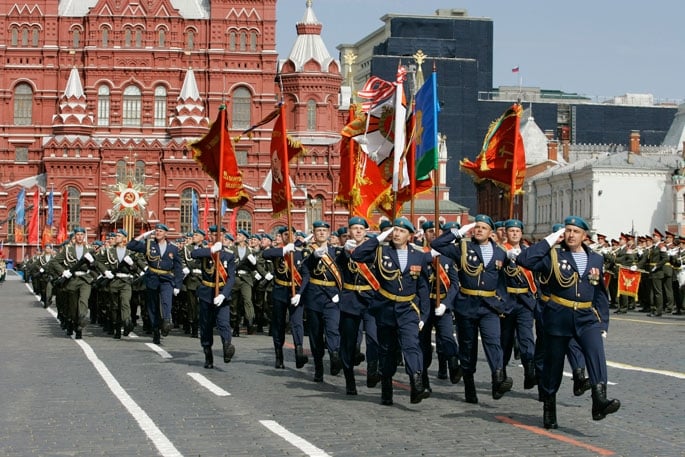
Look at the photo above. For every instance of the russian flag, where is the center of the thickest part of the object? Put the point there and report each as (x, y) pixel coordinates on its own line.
(515, 69)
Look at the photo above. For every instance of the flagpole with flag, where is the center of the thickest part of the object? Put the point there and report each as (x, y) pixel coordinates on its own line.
(400, 177)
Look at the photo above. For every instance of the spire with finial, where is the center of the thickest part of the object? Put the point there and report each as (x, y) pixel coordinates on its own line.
(72, 117)
(309, 46)
(189, 115)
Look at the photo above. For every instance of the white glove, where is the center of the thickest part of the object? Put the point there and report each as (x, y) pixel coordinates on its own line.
(653, 269)
(309, 237)
(252, 259)
(257, 276)
(290, 247)
(513, 253)
(434, 253)
(440, 310)
(41, 270)
(176, 291)
(186, 271)
(67, 274)
(219, 299)
(109, 274)
(384, 235)
(465, 229)
(89, 257)
(604, 334)
(350, 245)
(142, 273)
(268, 276)
(128, 260)
(147, 234)
(295, 300)
(336, 298)
(421, 324)
(216, 247)
(633, 268)
(320, 252)
(554, 237)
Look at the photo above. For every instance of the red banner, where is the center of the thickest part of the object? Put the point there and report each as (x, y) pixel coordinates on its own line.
(33, 222)
(62, 229)
(214, 152)
(628, 282)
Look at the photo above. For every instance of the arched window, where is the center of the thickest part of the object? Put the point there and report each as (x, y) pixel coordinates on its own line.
(244, 221)
(76, 38)
(190, 40)
(139, 173)
(160, 106)
(162, 38)
(253, 41)
(24, 37)
(311, 115)
(131, 106)
(242, 104)
(103, 105)
(127, 38)
(187, 209)
(15, 36)
(139, 38)
(23, 104)
(243, 41)
(73, 207)
(121, 170)
(11, 225)
(231, 41)
(35, 37)
(105, 37)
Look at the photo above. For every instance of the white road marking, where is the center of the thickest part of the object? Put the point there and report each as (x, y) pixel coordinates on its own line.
(625, 366)
(209, 385)
(161, 442)
(164, 354)
(303, 445)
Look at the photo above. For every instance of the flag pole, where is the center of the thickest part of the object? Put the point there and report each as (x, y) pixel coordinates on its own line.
(436, 197)
(217, 219)
(288, 198)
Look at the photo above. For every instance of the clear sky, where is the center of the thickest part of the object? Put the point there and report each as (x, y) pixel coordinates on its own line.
(599, 48)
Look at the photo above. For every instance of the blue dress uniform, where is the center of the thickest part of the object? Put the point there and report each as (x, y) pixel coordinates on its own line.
(210, 313)
(321, 287)
(402, 302)
(578, 307)
(357, 295)
(281, 295)
(480, 304)
(163, 275)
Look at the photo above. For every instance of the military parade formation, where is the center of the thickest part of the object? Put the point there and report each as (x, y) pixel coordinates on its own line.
(389, 299)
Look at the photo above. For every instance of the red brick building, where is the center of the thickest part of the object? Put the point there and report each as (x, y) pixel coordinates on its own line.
(97, 93)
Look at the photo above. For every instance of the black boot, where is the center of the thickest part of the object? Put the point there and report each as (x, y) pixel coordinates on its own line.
(373, 377)
(359, 357)
(442, 366)
(600, 405)
(500, 384)
(117, 332)
(386, 391)
(318, 370)
(209, 357)
(455, 369)
(470, 389)
(426, 384)
(300, 358)
(549, 412)
(350, 384)
(418, 391)
(78, 335)
(581, 384)
(530, 380)
(166, 327)
(128, 327)
(279, 358)
(229, 352)
(155, 336)
(336, 363)
(193, 330)
(236, 331)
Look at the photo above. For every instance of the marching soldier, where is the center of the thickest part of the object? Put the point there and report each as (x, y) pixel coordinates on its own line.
(656, 260)
(42, 274)
(401, 306)
(578, 307)
(163, 277)
(264, 286)
(192, 280)
(481, 302)
(626, 258)
(241, 295)
(215, 308)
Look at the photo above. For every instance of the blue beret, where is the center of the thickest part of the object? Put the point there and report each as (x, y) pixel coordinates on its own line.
(199, 232)
(450, 225)
(189, 234)
(356, 220)
(335, 233)
(244, 233)
(284, 229)
(486, 219)
(321, 224)
(428, 225)
(513, 223)
(161, 227)
(577, 221)
(268, 237)
(79, 230)
(342, 230)
(228, 236)
(122, 232)
(557, 227)
(302, 234)
(98, 243)
(111, 234)
(403, 222)
(213, 228)
(256, 236)
(384, 224)
(499, 224)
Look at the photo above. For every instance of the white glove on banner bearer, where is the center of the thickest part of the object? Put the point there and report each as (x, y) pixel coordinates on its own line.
(440, 310)
(434, 253)
(554, 237)
(219, 299)
(295, 300)
(290, 247)
(350, 245)
(320, 252)
(216, 247)
(269, 277)
(186, 271)
(176, 291)
(513, 253)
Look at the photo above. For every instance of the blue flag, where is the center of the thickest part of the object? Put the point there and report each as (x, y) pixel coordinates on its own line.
(427, 110)
(19, 219)
(48, 221)
(224, 207)
(195, 223)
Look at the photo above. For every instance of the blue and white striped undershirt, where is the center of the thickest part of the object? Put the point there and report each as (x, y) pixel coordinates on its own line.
(581, 261)
(486, 252)
(402, 255)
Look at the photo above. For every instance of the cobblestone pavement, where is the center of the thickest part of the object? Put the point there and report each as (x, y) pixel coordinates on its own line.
(103, 397)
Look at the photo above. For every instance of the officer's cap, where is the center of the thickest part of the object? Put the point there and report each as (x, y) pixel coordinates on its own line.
(601, 236)
(356, 220)
(614, 242)
(385, 223)
(667, 233)
(244, 233)
(403, 222)
(161, 227)
(657, 233)
(427, 225)
(321, 224)
(450, 225)
(122, 232)
(577, 222)
(513, 223)
(79, 230)
(485, 219)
